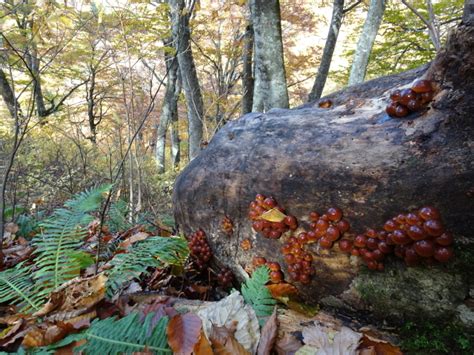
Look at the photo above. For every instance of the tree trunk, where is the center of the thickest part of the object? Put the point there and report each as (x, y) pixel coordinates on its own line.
(334, 26)
(7, 94)
(175, 142)
(169, 110)
(351, 155)
(366, 41)
(247, 76)
(270, 81)
(192, 92)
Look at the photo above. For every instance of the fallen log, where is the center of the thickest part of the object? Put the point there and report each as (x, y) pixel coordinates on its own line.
(354, 156)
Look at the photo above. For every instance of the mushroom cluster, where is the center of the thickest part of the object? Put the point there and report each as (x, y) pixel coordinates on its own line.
(276, 275)
(411, 99)
(415, 237)
(299, 261)
(199, 248)
(327, 228)
(227, 225)
(225, 277)
(261, 213)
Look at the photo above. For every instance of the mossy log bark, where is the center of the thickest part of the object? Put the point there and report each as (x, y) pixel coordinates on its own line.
(351, 155)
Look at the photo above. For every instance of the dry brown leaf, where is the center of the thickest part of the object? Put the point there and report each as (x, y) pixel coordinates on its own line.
(10, 334)
(288, 345)
(133, 239)
(74, 298)
(268, 335)
(273, 215)
(69, 349)
(282, 290)
(379, 346)
(183, 333)
(203, 346)
(224, 342)
(11, 228)
(367, 351)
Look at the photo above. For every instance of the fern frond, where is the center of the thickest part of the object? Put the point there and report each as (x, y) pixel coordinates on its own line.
(16, 287)
(123, 336)
(151, 252)
(63, 234)
(118, 216)
(256, 294)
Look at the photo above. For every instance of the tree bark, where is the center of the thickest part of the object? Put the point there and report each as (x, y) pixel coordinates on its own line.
(192, 92)
(323, 70)
(351, 155)
(169, 109)
(175, 142)
(270, 89)
(247, 75)
(7, 94)
(366, 41)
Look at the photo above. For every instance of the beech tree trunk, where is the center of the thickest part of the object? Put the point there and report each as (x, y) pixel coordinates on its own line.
(190, 82)
(323, 70)
(366, 41)
(169, 109)
(270, 89)
(354, 156)
(247, 75)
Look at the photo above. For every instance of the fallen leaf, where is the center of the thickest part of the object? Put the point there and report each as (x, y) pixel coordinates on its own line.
(345, 341)
(273, 215)
(224, 342)
(268, 335)
(282, 289)
(377, 346)
(133, 239)
(315, 336)
(288, 345)
(203, 346)
(229, 311)
(73, 298)
(10, 334)
(183, 333)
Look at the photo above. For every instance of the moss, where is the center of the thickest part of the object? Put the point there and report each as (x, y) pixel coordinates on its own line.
(402, 293)
(435, 338)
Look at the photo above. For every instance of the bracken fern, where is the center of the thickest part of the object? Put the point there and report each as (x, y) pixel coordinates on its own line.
(151, 252)
(124, 336)
(257, 295)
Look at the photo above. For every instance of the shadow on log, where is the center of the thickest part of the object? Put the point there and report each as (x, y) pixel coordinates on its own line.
(354, 156)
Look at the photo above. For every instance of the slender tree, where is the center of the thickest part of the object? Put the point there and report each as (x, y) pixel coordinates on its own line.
(180, 15)
(323, 70)
(366, 41)
(247, 75)
(169, 109)
(270, 80)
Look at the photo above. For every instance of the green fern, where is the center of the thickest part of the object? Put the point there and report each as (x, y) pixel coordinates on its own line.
(64, 233)
(151, 252)
(16, 287)
(257, 295)
(124, 336)
(118, 216)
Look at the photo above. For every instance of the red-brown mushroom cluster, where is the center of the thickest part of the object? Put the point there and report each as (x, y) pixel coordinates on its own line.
(299, 261)
(276, 275)
(227, 225)
(199, 248)
(273, 230)
(225, 277)
(371, 246)
(328, 227)
(411, 99)
(415, 237)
